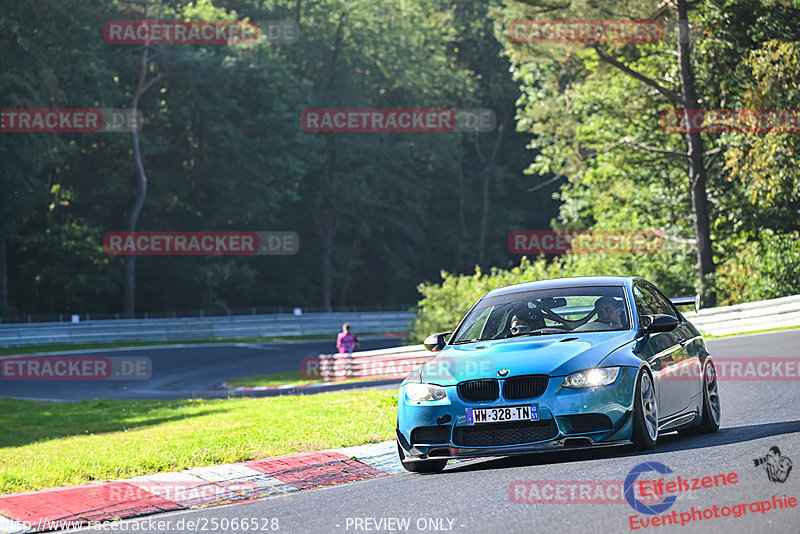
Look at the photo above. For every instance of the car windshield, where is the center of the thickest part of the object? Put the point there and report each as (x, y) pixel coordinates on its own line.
(546, 312)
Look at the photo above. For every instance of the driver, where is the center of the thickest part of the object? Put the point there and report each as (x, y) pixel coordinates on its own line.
(609, 312)
(519, 326)
(524, 321)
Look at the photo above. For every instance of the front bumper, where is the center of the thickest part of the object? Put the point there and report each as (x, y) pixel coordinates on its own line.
(449, 452)
(442, 425)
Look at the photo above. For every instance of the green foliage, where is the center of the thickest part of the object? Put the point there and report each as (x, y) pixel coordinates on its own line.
(443, 305)
(766, 266)
(596, 129)
(222, 149)
(377, 213)
(768, 163)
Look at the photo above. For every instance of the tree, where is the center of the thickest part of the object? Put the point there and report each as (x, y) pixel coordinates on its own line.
(577, 67)
(144, 83)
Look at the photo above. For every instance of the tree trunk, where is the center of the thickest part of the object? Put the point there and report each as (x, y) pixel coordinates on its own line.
(129, 291)
(325, 219)
(129, 281)
(697, 174)
(327, 271)
(3, 278)
(347, 270)
(462, 222)
(487, 176)
(488, 163)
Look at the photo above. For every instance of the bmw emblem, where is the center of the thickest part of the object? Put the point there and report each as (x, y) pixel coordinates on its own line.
(503, 372)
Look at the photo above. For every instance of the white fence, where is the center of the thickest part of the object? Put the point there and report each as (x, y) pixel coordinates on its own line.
(784, 311)
(241, 326)
(398, 363)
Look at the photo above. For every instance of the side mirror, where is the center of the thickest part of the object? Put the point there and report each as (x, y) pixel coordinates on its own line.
(658, 323)
(436, 342)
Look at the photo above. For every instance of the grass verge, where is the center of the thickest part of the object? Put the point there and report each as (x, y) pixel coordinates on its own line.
(285, 378)
(776, 329)
(47, 445)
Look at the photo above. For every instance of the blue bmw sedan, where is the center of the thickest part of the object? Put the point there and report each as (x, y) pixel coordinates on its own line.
(556, 364)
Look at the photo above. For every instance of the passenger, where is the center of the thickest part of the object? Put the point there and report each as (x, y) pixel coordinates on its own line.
(609, 312)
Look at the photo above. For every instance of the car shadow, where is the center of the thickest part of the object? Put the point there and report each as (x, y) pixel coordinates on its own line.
(667, 443)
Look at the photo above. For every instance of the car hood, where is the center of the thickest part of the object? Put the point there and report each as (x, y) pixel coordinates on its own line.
(554, 355)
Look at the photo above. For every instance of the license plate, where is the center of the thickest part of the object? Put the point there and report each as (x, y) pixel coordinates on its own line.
(529, 412)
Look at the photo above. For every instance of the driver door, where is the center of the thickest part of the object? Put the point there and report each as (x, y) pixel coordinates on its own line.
(664, 352)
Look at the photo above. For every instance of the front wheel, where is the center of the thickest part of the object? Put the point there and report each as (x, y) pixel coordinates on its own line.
(426, 466)
(645, 413)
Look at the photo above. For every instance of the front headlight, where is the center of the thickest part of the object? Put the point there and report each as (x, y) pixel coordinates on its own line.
(591, 378)
(424, 392)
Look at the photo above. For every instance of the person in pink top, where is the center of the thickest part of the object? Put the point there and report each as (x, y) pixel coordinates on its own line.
(347, 341)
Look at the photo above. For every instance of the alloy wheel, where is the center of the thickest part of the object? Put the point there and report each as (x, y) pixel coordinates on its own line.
(649, 406)
(712, 390)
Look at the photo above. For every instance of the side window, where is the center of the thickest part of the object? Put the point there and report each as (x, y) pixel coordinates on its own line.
(646, 302)
(649, 301)
(664, 304)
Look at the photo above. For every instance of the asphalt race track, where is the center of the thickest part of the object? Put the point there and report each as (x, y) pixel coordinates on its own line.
(183, 371)
(474, 496)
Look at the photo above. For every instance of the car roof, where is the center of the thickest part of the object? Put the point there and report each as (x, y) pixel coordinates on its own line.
(576, 281)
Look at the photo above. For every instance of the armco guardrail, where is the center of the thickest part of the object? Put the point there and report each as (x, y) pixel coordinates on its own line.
(401, 362)
(761, 315)
(202, 328)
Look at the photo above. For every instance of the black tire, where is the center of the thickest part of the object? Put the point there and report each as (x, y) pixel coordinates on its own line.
(710, 413)
(645, 430)
(423, 466)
